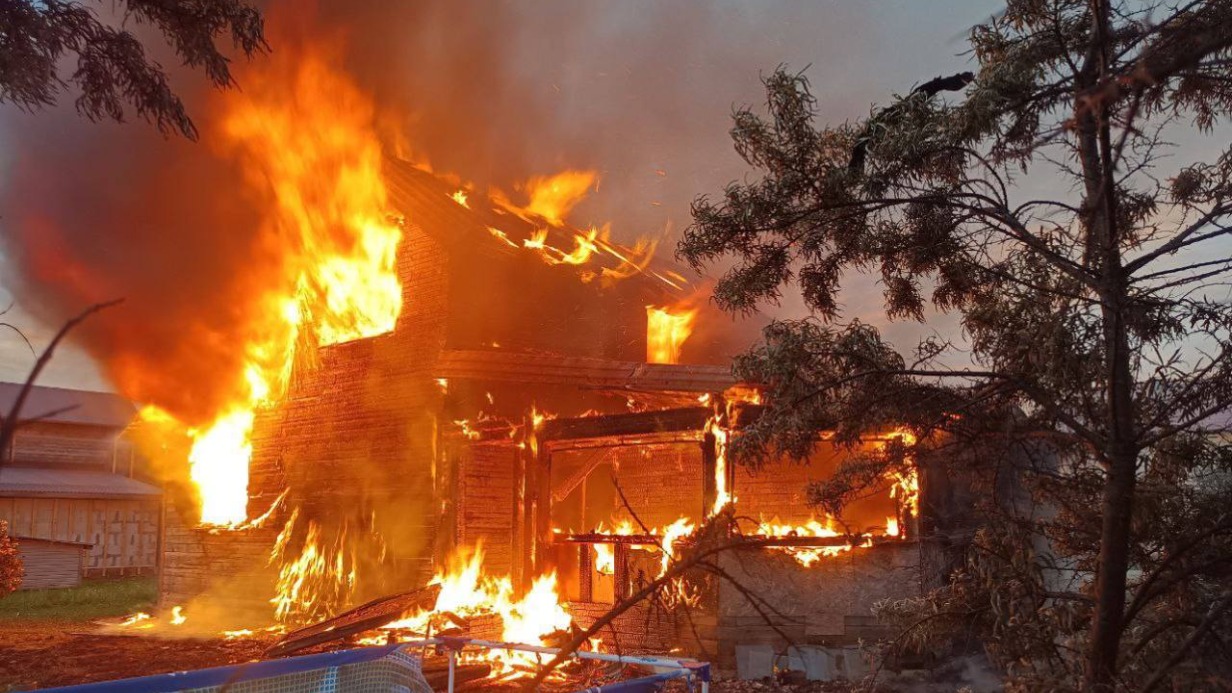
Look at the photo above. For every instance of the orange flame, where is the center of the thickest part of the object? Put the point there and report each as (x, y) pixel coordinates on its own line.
(805, 555)
(318, 578)
(304, 136)
(466, 591)
(666, 331)
(905, 485)
(551, 197)
(722, 495)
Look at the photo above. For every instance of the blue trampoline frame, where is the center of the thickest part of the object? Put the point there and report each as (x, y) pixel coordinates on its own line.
(694, 672)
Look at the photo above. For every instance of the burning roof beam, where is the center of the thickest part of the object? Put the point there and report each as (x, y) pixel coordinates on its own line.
(589, 373)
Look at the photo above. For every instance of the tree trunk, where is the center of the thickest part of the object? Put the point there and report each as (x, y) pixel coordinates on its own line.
(1120, 452)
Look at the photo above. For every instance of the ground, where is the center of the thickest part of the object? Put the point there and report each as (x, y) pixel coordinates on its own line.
(61, 626)
(81, 656)
(64, 627)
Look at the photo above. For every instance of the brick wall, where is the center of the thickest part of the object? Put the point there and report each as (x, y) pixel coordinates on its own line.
(780, 490)
(661, 482)
(828, 604)
(227, 568)
(355, 437)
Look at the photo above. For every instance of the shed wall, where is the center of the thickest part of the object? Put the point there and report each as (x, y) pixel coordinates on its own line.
(50, 565)
(124, 533)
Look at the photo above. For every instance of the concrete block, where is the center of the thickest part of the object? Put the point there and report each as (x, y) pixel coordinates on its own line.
(816, 663)
(754, 662)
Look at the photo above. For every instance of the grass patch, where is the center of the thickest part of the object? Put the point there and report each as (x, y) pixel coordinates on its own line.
(90, 600)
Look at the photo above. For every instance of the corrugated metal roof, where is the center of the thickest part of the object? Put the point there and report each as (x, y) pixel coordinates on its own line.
(74, 406)
(26, 482)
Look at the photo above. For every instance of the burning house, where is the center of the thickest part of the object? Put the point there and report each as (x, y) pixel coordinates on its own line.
(414, 381)
(525, 411)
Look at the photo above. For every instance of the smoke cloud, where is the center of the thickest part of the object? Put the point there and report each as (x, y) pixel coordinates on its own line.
(491, 92)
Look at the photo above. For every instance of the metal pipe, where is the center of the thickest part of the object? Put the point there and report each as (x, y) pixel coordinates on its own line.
(452, 659)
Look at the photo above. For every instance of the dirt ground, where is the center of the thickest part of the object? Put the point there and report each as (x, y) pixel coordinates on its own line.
(41, 654)
(38, 654)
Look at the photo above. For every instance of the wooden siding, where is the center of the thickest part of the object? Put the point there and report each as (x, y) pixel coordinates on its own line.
(71, 445)
(486, 501)
(50, 564)
(124, 533)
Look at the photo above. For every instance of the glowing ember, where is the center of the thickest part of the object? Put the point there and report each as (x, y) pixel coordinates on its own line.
(666, 331)
(460, 198)
(177, 616)
(139, 619)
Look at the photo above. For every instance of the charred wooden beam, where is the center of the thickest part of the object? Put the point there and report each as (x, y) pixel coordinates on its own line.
(665, 421)
(710, 457)
(753, 540)
(639, 440)
(439, 679)
(586, 587)
(373, 614)
(582, 372)
(543, 509)
(594, 538)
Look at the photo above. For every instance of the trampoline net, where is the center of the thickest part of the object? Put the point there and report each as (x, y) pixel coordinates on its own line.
(397, 672)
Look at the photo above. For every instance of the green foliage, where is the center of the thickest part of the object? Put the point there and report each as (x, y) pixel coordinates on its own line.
(112, 68)
(10, 561)
(1096, 337)
(91, 600)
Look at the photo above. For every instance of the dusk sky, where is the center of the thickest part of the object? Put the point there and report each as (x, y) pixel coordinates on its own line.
(638, 87)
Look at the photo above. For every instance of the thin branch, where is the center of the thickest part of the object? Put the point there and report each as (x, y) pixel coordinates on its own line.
(1207, 623)
(9, 426)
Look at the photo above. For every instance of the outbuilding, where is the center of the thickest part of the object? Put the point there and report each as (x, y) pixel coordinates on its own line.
(50, 563)
(72, 485)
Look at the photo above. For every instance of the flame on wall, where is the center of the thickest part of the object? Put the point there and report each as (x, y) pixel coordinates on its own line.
(303, 133)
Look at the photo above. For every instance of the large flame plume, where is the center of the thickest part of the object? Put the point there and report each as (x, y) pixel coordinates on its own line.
(303, 135)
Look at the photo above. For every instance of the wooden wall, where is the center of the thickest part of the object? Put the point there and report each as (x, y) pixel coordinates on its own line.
(50, 564)
(486, 502)
(73, 446)
(827, 604)
(662, 482)
(124, 533)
